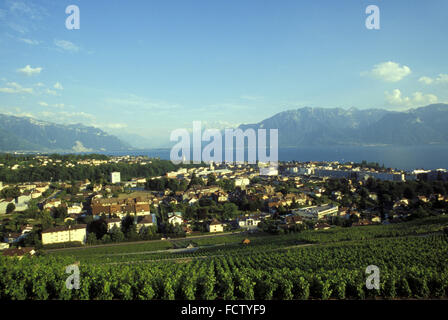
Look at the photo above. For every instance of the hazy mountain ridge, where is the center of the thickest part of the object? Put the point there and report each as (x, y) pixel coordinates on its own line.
(336, 126)
(297, 128)
(28, 134)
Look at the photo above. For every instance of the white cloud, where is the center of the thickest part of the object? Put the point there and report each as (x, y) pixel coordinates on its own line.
(79, 147)
(389, 71)
(13, 87)
(66, 45)
(29, 10)
(59, 105)
(39, 84)
(23, 16)
(29, 71)
(58, 86)
(51, 92)
(43, 104)
(29, 41)
(418, 99)
(441, 78)
(426, 80)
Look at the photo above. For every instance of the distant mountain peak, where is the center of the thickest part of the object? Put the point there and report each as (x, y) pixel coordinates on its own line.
(315, 126)
(30, 134)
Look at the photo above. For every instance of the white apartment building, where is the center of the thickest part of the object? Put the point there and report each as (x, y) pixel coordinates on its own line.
(115, 177)
(77, 233)
(317, 212)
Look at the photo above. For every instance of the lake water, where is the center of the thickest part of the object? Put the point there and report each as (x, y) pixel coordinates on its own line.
(407, 158)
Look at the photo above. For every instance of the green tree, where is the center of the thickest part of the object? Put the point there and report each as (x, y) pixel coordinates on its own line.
(10, 208)
(116, 234)
(91, 238)
(211, 180)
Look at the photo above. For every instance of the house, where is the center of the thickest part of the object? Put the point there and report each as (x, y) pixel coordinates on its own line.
(361, 222)
(26, 228)
(42, 187)
(22, 201)
(175, 218)
(293, 219)
(55, 203)
(36, 194)
(121, 207)
(76, 233)
(75, 208)
(337, 195)
(215, 226)
(322, 226)
(18, 252)
(317, 212)
(401, 203)
(248, 222)
(193, 200)
(146, 221)
(114, 222)
(4, 245)
(221, 197)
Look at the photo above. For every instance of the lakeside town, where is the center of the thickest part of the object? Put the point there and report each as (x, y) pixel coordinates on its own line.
(182, 201)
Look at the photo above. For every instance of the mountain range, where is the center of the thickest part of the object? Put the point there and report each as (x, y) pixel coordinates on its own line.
(31, 135)
(358, 127)
(296, 128)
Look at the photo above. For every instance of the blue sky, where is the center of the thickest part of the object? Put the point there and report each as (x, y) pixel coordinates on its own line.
(148, 67)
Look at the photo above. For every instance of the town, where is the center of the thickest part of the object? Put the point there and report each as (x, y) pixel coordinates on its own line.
(97, 199)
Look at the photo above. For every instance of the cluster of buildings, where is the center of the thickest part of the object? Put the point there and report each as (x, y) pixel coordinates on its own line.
(356, 172)
(347, 171)
(111, 200)
(43, 161)
(28, 191)
(121, 207)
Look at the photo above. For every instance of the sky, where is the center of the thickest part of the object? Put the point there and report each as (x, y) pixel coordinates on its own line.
(146, 67)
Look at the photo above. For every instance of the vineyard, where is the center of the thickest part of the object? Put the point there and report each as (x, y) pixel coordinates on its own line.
(331, 264)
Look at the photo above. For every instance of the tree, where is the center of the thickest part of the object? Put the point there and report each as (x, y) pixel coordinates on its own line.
(91, 238)
(98, 227)
(195, 181)
(116, 234)
(60, 212)
(227, 184)
(211, 181)
(409, 193)
(106, 238)
(10, 208)
(230, 210)
(46, 220)
(127, 224)
(420, 212)
(10, 192)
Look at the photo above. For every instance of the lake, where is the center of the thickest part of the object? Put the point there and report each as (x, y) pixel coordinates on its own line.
(406, 158)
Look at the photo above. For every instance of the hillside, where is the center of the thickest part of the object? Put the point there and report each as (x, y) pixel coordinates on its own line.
(28, 134)
(336, 126)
